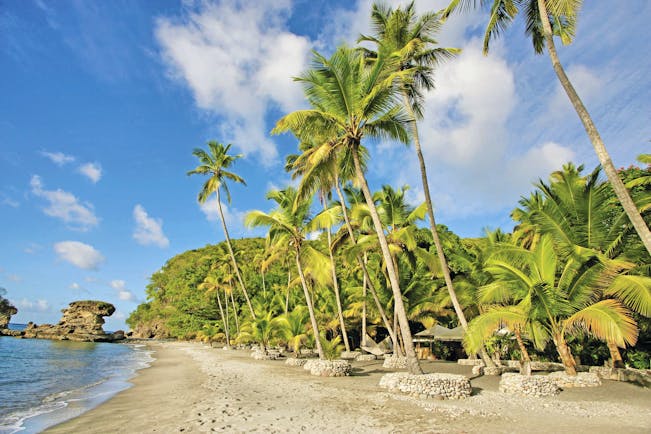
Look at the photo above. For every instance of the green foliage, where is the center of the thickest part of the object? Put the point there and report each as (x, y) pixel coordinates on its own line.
(331, 348)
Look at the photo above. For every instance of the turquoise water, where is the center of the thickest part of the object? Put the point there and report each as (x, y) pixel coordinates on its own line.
(44, 382)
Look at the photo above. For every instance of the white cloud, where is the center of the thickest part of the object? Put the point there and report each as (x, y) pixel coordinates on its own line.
(92, 171)
(238, 60)
(75, 286)
(79, 254)
(39, 305)
(32, 248)
(58, 158)
(123, 293)
(6, 200)
(65, 206)
(148, 230)
(587, 84)
(233, 217)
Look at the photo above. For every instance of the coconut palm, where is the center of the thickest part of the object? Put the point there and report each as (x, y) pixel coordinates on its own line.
(576, 212)
(412, 39)
(319, 171)
(215, 164)
(293, 326)
(288, 225)
(545, 19)
(212, 284)
(550, 297)
(350, 102)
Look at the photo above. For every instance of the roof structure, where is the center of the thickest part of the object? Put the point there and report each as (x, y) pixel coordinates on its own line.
(440, 333)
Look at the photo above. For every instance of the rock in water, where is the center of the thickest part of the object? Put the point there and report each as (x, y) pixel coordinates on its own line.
(6, 311)
(82, 321)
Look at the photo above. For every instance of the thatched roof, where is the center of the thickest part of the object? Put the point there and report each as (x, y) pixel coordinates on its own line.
(440, 333)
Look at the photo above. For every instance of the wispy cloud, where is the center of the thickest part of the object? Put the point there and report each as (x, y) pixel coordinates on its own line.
(39, 305)
(65, 206)
(58, 158)
(256, 57)
(123, 293)
(80, 255)
(8, 201)
(148, 230)
(92, 171)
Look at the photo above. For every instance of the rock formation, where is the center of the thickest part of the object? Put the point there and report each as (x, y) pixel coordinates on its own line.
(82, 321)
(6, 311)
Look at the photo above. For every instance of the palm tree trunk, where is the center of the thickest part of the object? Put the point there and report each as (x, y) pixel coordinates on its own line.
(362, 263)
(412, 360)
(310, 307)
(264, 287)
(289, 280)
(435, 234)
(335, 285)
(363, 341)
(525, 363)
(230, 250)
(224, 320)
(600, 149)
(615, 356)
(227, 326)
(565, 354)
(237, 321)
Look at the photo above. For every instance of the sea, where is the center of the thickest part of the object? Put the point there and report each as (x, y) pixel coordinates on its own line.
(43, 382)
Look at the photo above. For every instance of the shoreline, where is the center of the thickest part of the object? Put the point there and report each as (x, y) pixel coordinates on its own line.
(194, 388)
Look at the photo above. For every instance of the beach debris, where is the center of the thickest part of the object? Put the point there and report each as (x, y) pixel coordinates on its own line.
(365, 357)
(435, 386)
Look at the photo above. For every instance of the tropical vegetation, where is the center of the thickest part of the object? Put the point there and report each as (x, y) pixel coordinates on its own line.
(341, 264)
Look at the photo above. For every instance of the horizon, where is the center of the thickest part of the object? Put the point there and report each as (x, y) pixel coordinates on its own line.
(104, 103)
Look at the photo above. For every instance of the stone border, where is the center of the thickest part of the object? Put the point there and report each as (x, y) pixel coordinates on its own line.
(437, 386)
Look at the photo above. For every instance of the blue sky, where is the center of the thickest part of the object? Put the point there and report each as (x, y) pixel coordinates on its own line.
(103, 102)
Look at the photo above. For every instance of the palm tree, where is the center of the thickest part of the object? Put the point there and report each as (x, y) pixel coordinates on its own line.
(293, 326)
(576, 212)
(288, 225)
(550, 297)
(411, 38)
(325, 172)
(214, 163)
(544, 20)
(212, 284)
(349, 102)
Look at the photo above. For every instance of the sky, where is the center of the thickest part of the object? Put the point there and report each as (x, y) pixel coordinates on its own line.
(103, 102)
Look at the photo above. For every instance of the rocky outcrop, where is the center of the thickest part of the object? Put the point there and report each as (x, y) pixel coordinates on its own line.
(150, 330)
(82, 322)
(6, 311)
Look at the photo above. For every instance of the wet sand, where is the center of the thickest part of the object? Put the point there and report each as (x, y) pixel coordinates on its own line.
(194, 388)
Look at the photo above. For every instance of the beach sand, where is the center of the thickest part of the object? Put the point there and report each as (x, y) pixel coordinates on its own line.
(194, 388)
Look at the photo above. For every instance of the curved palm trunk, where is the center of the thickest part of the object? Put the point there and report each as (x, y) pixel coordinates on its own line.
(615, 355)
(310, 307)
(363, 341)
(565, 354)
(600, 149)
(525, 363)
(230, 251)
(412, 361)
(224, 320)
(289, 280)
(435, 234)
(237, 321)
(335, 285)
(367, 278)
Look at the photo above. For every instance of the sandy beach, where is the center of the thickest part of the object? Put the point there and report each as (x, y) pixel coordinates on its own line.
(194, 388)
